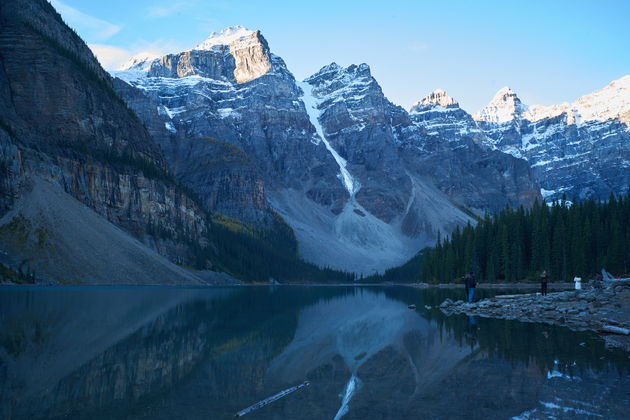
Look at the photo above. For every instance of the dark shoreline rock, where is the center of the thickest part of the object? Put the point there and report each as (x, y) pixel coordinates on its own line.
(604, 310)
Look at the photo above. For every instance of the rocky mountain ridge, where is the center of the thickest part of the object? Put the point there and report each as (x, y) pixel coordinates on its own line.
(363, 183)
(351, 173)
(579, 150)
(206, 100)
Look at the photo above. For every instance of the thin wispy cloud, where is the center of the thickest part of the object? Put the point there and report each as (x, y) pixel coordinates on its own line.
(208, 24)
(88, 26)
(112, 57)
(419, 46)
(158, 47)
(109, 56)
(168, 10)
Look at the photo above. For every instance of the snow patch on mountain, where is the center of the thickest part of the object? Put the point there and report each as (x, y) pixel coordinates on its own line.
(610, 102)
(170, 127)
(238, 35)
(336, 84)
(505, 106)
(437, 98)
(579, 148)
(440, 115)
(139, 62)
(312, 109)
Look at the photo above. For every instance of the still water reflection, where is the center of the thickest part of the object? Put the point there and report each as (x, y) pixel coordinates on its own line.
(208, 353)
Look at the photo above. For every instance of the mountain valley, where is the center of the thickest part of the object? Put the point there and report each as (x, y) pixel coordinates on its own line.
(343, 178)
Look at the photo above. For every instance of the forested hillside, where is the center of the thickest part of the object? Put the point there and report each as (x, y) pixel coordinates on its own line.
(567, 239)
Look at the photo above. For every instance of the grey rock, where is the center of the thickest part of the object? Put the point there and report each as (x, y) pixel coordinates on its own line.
(61, 121)
(569, 155)
(410, 183)
(446, 303)
(261, 116)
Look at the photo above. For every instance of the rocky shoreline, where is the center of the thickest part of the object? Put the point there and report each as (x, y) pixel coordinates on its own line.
(519, 285)
(605, 310)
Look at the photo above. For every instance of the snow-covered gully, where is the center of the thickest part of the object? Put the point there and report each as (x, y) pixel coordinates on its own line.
(311, 105)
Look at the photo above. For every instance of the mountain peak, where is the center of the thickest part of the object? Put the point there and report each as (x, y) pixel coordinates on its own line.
(436, 98)
(329, 68)
(228, 36)
(360, 67)
(612, 101)
(505, 94)
(505, 106)
(334, 70)
(140, 61)
(505, 90)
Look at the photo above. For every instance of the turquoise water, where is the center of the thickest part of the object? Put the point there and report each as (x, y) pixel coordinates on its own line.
(208, 353)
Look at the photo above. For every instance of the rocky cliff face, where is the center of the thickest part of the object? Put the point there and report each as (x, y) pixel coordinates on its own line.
(11, 171)
(394, 147)
(234, 90)
(356, 119)
(231, 184)
(61, 121)
(362, 184)
(579, 149)
(441, 117)
(462, 164)
(236, 55)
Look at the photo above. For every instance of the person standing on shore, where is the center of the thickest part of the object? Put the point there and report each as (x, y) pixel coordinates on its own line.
(470, 286)
(543, 283)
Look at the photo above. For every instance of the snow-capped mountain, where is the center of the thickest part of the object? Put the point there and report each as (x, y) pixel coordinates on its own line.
(188, 98)
(139, 62)
(237, 37)
(437, 97)
(504, 107)
(580, 149)
(610, 102)
(363, 185)
(440, 115)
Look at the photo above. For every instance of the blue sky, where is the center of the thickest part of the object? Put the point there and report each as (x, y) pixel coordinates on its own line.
(547, 51)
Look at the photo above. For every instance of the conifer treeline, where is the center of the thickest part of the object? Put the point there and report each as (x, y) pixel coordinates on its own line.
(258, 255)
(566, 240)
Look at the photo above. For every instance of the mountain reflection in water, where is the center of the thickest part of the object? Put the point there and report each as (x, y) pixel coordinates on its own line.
(208, 353)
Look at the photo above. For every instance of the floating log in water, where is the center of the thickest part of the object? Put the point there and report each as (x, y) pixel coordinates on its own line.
(611, 329)
(271, 399)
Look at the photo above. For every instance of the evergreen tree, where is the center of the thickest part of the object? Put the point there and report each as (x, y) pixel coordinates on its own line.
(566, 239)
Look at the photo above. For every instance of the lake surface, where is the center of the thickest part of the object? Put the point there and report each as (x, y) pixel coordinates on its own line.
(208, 353)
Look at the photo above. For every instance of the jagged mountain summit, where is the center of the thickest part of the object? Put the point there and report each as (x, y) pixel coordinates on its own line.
(440, 115)
(238, 35)
(362, 184)
(610, 102)
(580, 149)
(436, 98)
(195, 100)
(139, 62)
(504, 106)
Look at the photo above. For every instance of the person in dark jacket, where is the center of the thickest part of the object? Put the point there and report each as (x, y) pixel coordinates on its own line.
(543, 283)
(470, 286)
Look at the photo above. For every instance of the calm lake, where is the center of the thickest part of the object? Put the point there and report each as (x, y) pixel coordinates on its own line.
(172, 353)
